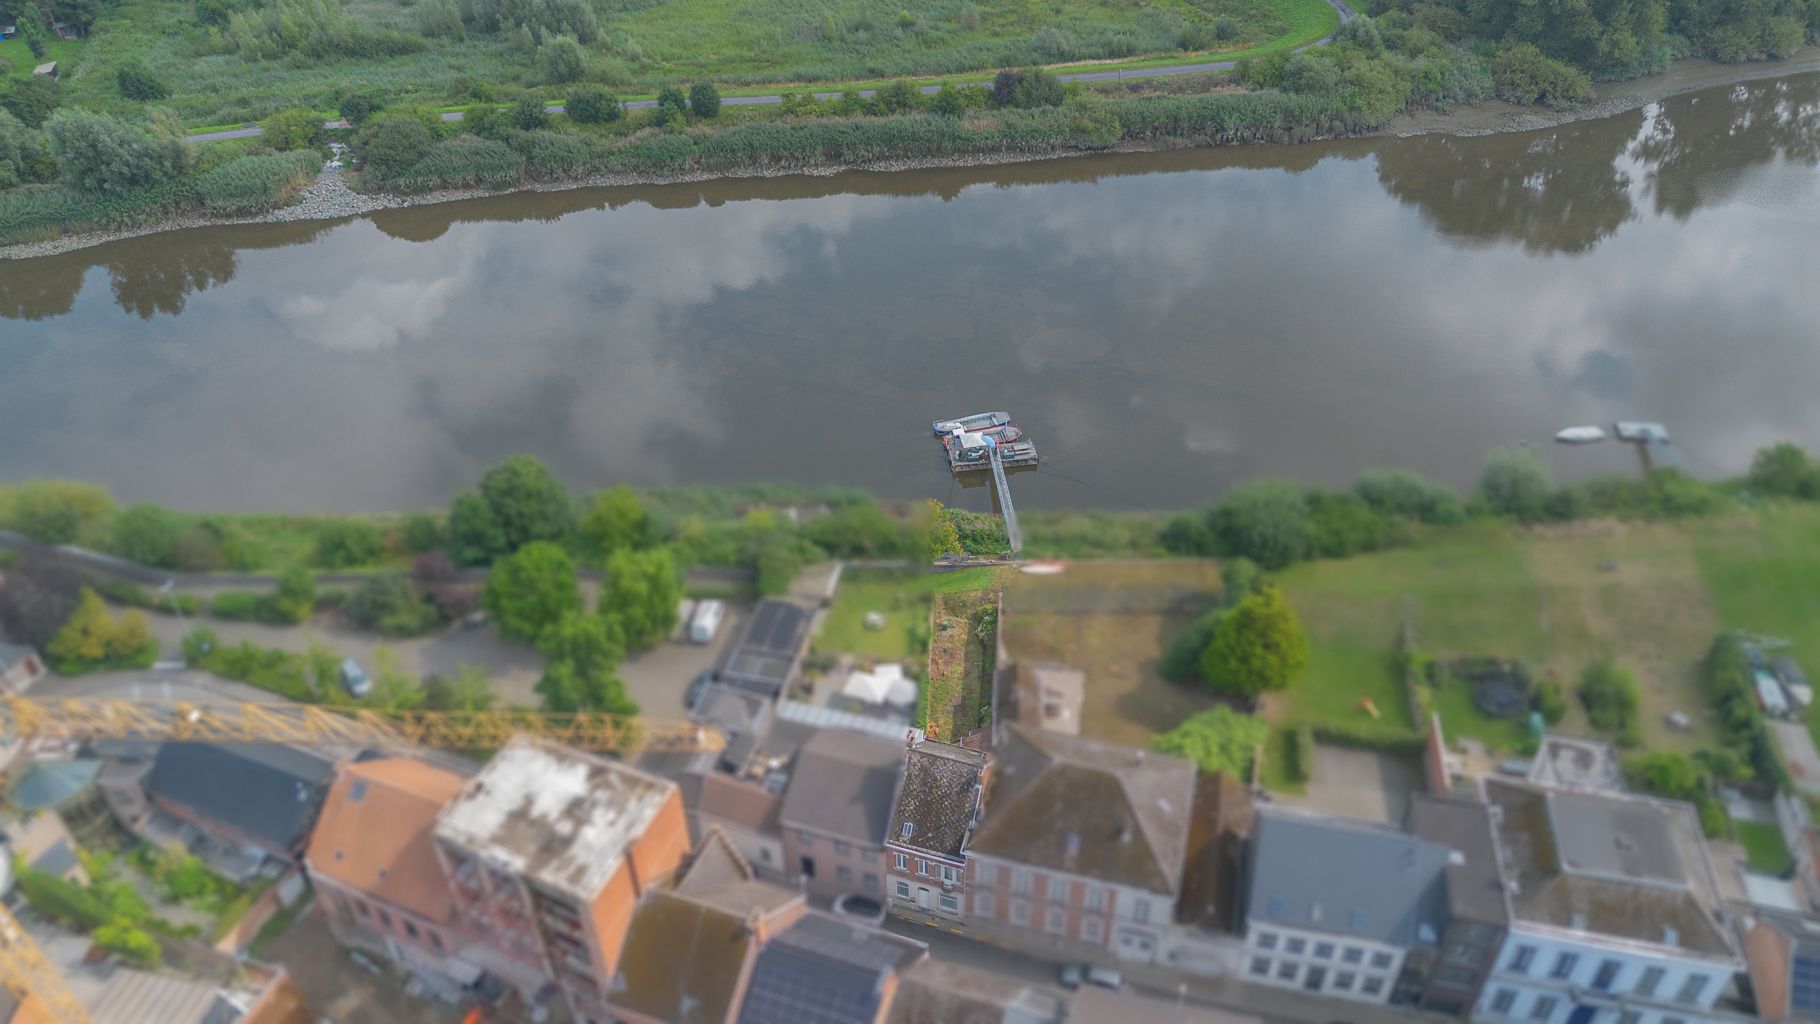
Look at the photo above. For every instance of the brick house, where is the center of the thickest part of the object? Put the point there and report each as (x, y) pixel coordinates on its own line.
(257, 798)
(379, 884)
(1782, 953)
(1082, 844)
(835, 811)
(933, 814)
(548, 850)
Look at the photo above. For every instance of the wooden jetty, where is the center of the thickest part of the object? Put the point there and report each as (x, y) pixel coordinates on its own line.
(1001, 445)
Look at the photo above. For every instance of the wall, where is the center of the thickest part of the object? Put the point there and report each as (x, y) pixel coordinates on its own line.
(1353, 968)
(656, 855)
(861, 861)
(341, 908)
(1536, 983)
(1132, 923)
(764, 851)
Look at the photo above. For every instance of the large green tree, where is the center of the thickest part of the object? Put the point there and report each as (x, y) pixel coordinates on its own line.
(1265, 521)
(105, 155)
(614, 522)
(1217, 740)
(147, 534)
(519, 501)
(531, 590)
(1257, 646)
(1515, 481)
(581, 661)
(1610, 695)
(1785, 469)
(641, 590)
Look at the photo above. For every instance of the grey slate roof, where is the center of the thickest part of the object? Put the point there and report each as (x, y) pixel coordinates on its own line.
(842, 785)
(1475, 886)
(936, 798)
(1089, 808)
(823, 970)
(268, 791)
(766, 653)
(1347, 878)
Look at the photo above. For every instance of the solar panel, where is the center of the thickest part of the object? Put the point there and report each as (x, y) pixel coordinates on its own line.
(1806, 987)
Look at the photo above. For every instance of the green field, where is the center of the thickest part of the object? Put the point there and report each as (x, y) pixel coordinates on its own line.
(15, 52)
(1653, 595)
(1763, 846)
(732, 42)
(903, 597)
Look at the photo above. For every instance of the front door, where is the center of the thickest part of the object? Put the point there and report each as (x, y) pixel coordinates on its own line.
(923, 897)
(808, 867)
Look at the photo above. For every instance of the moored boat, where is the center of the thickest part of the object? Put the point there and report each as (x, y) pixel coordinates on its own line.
(971, 423)
(1580, 435)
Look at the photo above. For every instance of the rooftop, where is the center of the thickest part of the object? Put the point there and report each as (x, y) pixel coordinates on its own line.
(1475, 886)
(1048, 696)
(136, 997)
(266, 790)
(1348, 878)
(48, 785)
(766, 651)
(824, 970)
(1217, 830)
(936, 798)
(842, 785)
(944, 992)
(682, 959)
(556, 815)
(1627, 867)
(13, 654)
(1089, 808)
(1573, 762)
(375, 832)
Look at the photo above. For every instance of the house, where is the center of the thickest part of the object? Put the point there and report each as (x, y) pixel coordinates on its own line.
(1218, 830)
(690, 951)
(945, 992)
(257, 800)
(1575, 762)
(1082, 844)
(1338, 907)
(746, 810)
(1044, 695)
(933, 814)
(20, 667)
(770, 650)
(835, 812)
(42, 843)
(206, 992)
(827, 970)
(1614, 910)
(548, 851)
(379, 884)
(72, 790)
(1476, 920)
(1782, 953)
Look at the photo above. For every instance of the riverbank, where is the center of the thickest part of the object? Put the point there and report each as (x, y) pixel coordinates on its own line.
(330, 198)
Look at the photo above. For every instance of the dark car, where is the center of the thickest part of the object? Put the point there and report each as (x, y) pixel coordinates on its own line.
(692, 696)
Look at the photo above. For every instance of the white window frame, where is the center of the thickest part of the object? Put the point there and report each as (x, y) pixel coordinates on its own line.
(949, 874)
(1055, 920)
(949, 903)
(982, 904)
(902, 889)
(1020, 880)
(1093, 930)
(1140, 911)
(1095, 899)
(902, 863)
(1020, 913)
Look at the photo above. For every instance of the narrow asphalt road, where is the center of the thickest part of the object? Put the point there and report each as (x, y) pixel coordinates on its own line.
(1116, 75)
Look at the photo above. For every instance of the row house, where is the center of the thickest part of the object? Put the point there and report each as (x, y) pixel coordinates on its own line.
(934, 810)
(378, 882)
(253, 801)
(835, 812)
(547, 851)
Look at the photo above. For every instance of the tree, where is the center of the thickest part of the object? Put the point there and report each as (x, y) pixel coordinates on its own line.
(295, 128)
(899, 96)
(136, 83)
(1785, 469)
(640, 590)
(581, 655)
(1187, 533)
(356, 108)
(105, 155)
(1515, 482)
(1404, 494)
(704, 100)
(1311, 73)
(470, 690)
(431, 568)
(1665, 773)
(475, 536)
(13, 166)
(1524, 74)
(1217, 740)
(531, 590)
(423, 533)
(671, 104)
(63, 900)
(32, 99)
(1265, 521)
(1239, 579)
(528, 114)
(1181, 660)
(1027, 88)
(387, 603)
(528, 501)
(392, 144)
(615, 522)
(859, 529)
(55, 511)
(562, 60)
(147, 534)
(295, 596)
(91, 639)
(344, 543)
(1609, 695)
(1259, 645)
(1550, 701)
(947, 102)
(940, 536)
(131, 943)
(392, 689)
(592, 106)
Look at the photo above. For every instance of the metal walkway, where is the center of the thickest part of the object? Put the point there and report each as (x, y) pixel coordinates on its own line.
(1012, 533)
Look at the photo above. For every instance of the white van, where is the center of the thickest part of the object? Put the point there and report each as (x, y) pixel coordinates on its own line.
(706, 621)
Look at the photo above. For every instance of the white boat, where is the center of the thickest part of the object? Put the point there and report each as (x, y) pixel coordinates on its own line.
(1580, 435)
(976, 421)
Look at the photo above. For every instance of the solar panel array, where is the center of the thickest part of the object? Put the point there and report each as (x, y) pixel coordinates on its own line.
(1806, 995)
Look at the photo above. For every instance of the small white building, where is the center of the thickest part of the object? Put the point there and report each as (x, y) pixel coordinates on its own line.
(1615, 911)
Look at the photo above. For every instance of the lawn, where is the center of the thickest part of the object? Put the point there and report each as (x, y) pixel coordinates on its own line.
(63, 51)
(903, 597)
(960, 663)
(1764, 847)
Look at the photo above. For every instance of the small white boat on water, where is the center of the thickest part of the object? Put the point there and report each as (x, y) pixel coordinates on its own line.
(1580, 435)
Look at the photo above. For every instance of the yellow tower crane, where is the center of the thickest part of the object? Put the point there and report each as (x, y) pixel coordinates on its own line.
(34, 981)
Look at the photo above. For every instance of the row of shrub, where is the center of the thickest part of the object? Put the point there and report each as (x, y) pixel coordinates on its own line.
(1731, 688)
(134, 596)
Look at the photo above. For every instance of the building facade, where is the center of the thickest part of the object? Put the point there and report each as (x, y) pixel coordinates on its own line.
(835, 812)
(1476, 919)
(933, 813)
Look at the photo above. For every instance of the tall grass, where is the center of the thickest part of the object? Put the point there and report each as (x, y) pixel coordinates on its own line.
(254, 184)
(241, 187)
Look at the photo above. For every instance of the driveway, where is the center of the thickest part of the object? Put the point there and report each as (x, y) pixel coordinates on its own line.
(657, 678)
(1360, 784)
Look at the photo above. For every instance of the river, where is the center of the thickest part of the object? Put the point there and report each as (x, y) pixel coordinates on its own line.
(1163, 325)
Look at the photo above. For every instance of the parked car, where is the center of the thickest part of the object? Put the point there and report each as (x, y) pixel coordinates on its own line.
(1074, 975)
(354, 679)
(692, 696)
(706, 621)
(859, 905)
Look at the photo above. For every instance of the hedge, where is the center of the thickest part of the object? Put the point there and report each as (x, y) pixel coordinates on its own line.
(1362, 736)
(132, 595)
(1301, 754)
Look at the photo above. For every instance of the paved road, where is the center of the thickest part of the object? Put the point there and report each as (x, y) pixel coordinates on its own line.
(1115, 75)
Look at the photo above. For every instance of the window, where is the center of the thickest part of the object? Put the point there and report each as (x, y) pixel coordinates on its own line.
(1352, 955)
(1373, 985)
(764, 854)
(1020, 912)
(410, 929)
(1564, 965)
(950, 874)
(1382, 961)
(869, 855)
(841, 849)
(843, 874)
(1343, 981)
(1092, 930)
(1646, 985)
(1691, 989)
(804, 839)
(384, 918)
(1267, 940)
(1606, 975)
(1323, 950)
(903, 889)
(1286, 970)
(904, 830)
(1630, 1017)
(869, 882)
(982, 904)
(922, 867)
(1522, 959)
(1315, 978)
(1296, 946)
(1543, 1008)
(1055, 920)
(951, 903)
(1140, 911)
(902, 862)
(1020, 879)
(436, 941)
(1503, 1001)
(1095, 898)
(360, 908)
(1260, 966)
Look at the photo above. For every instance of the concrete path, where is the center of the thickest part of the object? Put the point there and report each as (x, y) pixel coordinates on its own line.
(1113, 75)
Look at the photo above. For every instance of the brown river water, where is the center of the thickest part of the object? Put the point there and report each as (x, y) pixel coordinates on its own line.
(1163, 325)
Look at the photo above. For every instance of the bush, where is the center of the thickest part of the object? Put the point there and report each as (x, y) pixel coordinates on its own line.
(1551, 701)
(704, 100)
(1610, 696)
(1310, 72)
(293, 128)
(1524, 74)
(136, 83)
(1265, 521)
(295, 597)
(898, 97)
(32, 100)
(671, 104)
(344, 543)
(1404, 494)
(103, 155)
(947, 101)
(1515, 482)
(592, 106)
(386, 602)
(1369, 736)
(1785, 470)
(1027, 88)
(392, 145)
(1300, 750)
(147, 534)
(1217, 740)
(562, 60)
(63, 901)
(356, 108)
(121, 592)
(92, 639)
